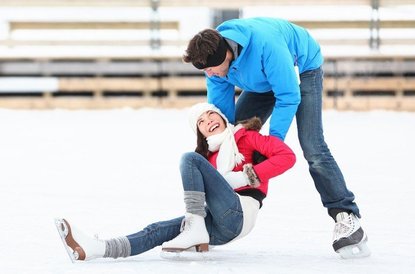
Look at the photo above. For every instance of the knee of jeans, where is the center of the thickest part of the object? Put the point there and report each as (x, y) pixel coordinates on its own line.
(314, 151)
(319, 158)
(189, 157)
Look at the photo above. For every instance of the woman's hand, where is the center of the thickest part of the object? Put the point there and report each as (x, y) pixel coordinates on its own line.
(252, 177)
(236, 179)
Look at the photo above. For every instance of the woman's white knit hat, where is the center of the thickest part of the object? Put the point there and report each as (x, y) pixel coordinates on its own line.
(200, 108)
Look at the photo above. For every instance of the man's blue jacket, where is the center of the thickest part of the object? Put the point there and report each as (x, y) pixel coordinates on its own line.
(270, 49)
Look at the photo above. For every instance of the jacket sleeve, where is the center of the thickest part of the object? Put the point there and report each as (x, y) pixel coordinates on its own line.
(279, 69)
(222, 95)
(280, 157)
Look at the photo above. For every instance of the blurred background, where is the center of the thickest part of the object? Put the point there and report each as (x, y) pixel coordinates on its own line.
(91, 54)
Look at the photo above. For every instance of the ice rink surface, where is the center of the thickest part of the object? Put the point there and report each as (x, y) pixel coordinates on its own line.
(113, 172)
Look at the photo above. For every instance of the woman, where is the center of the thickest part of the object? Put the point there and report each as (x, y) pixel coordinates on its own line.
(223, 191)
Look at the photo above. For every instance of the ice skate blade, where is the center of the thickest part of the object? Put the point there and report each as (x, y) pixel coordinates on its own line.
(184, 256)
(198, 247)
(63, 232)
(71, 246)
(359, 250)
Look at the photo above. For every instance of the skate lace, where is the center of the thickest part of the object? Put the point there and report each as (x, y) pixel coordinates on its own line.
(343, 228)
(185, 225)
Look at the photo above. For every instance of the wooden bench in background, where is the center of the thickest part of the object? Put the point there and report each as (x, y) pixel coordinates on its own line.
(361, 83)
(86, 79)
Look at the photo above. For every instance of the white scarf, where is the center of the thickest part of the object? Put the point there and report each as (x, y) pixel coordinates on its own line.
(229, 155)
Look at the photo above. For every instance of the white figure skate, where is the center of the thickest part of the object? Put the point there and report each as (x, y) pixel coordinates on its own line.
(193, 234)
(79, 246)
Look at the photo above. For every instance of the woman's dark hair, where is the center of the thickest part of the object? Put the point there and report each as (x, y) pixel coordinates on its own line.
(202, 146)
(201, 46)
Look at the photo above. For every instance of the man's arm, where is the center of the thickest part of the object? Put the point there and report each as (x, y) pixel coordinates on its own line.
(279, 68)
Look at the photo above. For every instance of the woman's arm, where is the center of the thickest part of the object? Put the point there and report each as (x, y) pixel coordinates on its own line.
(279, 156)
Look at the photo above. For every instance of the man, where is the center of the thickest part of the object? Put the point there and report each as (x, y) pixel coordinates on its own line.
(278, 66)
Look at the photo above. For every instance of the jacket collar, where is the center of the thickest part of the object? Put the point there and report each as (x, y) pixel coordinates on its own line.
(239, 134)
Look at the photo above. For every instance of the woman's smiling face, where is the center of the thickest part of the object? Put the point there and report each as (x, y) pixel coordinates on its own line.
(210, 123)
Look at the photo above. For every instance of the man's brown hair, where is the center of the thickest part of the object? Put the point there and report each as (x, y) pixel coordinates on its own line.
(201, 46)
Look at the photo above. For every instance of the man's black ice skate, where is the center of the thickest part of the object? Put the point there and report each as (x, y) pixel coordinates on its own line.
(349, 239)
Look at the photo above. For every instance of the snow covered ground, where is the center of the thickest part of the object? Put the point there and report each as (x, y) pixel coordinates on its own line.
(113, 172)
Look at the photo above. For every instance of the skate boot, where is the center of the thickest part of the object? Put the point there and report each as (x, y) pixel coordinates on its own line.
(78, 245)
(193, 234)
(349, 239)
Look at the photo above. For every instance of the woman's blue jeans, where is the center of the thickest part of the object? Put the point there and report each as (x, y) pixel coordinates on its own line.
(224, 213)
(328, 179)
